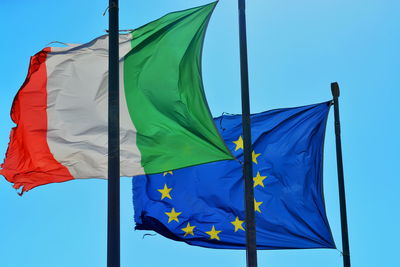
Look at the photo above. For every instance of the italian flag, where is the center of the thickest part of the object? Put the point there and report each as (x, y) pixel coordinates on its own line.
(61, 115)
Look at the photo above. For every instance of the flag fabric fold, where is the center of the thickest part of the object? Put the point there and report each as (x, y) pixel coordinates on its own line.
(204, 205)
(60, 111)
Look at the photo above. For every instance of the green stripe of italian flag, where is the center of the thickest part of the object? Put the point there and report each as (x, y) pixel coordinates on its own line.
(165, 124)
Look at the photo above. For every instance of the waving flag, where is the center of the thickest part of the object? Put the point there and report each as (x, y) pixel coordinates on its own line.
(61, 109)
(204, 205)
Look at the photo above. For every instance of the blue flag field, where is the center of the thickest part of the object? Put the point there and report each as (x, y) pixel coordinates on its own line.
(204, 205)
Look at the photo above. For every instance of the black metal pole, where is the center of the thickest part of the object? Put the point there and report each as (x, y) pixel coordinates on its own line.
(113, 226)
(251, 244)
(342, 197)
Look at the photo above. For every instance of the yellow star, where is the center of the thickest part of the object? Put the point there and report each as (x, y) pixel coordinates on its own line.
(213, 233)
(165, 173)
(238, 224)
(188, 229)
(254, 156)
(173, 215)
(165, 192)
(258, 180)
(239, 143)
(257, 205)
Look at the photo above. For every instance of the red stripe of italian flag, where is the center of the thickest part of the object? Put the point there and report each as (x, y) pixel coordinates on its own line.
(29, 161)
(165, 124)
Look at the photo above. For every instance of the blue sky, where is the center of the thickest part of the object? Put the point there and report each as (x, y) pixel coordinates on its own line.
(296, 49)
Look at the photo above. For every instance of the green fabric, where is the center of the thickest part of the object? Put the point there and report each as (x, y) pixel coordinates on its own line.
(164, 93)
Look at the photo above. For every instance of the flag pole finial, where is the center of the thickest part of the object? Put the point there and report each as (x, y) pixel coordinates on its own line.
(335, 89)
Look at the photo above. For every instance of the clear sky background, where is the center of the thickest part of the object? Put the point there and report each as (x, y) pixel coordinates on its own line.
(296, 49)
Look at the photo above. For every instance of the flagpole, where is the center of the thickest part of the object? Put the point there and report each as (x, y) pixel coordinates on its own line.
(342, 197)
(113, 221)
(251, 244)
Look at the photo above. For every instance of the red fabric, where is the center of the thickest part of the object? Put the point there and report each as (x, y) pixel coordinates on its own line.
(29, 162)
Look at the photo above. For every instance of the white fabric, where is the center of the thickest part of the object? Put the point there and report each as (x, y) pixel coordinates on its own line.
(77, 110)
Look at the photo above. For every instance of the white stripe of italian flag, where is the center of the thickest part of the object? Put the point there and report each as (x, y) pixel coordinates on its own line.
(165, 124)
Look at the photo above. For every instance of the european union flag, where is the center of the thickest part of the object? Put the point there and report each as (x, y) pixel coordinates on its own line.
(204, 205)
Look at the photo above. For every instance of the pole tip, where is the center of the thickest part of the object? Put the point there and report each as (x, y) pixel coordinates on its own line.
(335, 89)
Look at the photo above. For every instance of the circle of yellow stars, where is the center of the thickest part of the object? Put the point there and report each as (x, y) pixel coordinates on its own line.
(173, 215)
